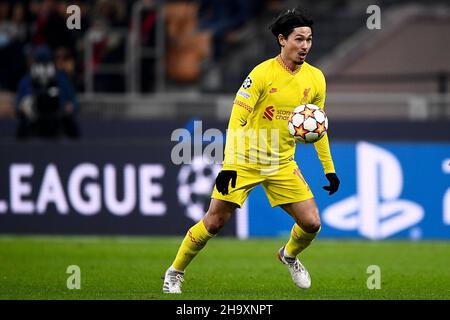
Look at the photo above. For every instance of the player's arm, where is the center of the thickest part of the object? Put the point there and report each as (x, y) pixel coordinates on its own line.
(238, 119)
(323, 146)
(243, 104)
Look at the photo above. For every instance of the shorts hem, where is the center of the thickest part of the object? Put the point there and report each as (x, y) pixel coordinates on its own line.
(279, 203)
(227, 200)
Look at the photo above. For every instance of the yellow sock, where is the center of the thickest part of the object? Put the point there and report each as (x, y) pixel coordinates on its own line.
(195, 239)
(299, 241)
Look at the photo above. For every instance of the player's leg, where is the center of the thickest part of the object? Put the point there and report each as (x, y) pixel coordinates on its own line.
(304, 231)
(307, 225)
(289, 190)
(218, 214)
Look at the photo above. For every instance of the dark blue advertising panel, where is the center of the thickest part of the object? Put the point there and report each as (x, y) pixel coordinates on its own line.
(388, 190)
(101, 188)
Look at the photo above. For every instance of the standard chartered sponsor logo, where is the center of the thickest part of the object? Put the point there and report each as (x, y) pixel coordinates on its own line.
(376, 211)
(282, 114)
(270, 113)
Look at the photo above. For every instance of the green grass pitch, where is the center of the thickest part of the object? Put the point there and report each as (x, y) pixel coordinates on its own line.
(131, 268)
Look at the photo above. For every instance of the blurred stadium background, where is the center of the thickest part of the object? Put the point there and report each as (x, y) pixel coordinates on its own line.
(141, 69)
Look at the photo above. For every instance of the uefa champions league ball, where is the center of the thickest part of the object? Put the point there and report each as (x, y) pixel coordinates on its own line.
(308, 123)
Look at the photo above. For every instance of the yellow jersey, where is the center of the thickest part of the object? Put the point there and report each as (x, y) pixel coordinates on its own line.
(258, 134)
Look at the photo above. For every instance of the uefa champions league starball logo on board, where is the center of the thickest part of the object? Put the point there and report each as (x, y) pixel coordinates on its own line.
(195, 183)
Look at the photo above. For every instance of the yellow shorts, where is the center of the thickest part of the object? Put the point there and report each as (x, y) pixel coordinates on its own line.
(285, 185)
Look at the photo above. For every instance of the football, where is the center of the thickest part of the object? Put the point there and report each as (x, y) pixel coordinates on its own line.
(308, 123)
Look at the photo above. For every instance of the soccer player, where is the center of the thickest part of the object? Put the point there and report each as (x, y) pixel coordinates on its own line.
(263, 103)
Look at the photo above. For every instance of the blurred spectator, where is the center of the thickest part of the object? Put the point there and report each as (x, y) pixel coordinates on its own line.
(148, 39)
(222, 18)
(64, 61)
(109, 46)
(12, 24)
(50, 25)
(112, 12)
(233, 30)
(187, 47)
(13, 34)
(46, 105)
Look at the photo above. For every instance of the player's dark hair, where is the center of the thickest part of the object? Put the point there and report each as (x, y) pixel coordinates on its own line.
(288, 20)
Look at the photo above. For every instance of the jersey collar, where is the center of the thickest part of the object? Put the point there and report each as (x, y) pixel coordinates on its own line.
(285, 67)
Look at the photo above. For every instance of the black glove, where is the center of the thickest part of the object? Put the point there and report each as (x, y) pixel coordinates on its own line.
(223, 180)
(334, 183)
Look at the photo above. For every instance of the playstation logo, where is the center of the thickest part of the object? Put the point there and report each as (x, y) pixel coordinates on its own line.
(376, 211)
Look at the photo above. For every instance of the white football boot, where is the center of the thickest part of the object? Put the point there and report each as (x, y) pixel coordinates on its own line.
(172, 281)
(299, 274)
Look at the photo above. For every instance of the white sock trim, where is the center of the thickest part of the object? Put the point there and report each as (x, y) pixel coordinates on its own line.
(286, 255)
(171, 268)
